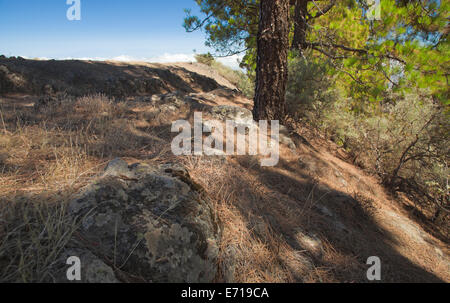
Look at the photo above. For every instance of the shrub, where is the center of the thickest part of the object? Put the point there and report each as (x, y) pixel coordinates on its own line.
(245, 84)
(406, 142)
(404, 139)
(206, 59)
(309, 91)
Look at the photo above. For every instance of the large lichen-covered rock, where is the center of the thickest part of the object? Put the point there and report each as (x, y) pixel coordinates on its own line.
(151, 222)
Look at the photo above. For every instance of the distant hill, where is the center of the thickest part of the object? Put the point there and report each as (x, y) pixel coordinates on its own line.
(115, 79)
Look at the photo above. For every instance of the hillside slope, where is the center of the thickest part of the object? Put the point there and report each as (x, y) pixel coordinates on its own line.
(116, 79)
(312, 218)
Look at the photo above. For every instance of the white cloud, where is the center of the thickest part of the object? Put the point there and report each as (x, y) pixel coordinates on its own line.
(124, 58)
(231, 61)
(83, 58)
(167, 58)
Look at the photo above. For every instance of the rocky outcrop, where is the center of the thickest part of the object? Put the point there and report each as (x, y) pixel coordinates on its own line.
(151, 222)
(236, 113)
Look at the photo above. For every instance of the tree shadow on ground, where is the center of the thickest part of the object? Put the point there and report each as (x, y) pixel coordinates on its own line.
(338, 219)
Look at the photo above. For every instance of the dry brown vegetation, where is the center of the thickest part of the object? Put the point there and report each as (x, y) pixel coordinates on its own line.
(312, 218)
(47, 155)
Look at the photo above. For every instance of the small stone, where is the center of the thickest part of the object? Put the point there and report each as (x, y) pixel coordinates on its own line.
(310, 242)
(117, 168)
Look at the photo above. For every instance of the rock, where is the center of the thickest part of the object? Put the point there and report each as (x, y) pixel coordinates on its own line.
(284, 130)
(285, 137)
(287, 141)
(340, 178)
(229, 263)
(155, 98)
(334, 218)
(310, 242)
(200, 101)
(117, 168)
(203, 96)
(238, 114)
(156, 225)
(225, 92)
(175, 98)
(324, 210)
(164, 102)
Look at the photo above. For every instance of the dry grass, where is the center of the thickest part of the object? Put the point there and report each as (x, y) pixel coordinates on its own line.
(253, 246)
(47, 155)
(33, 234)
(262, 210)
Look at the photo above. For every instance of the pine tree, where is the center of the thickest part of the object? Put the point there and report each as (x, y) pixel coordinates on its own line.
(271, 70)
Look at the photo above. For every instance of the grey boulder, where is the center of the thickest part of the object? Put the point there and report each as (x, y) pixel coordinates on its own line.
(151, 222)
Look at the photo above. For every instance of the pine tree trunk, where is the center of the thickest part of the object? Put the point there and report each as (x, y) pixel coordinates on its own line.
(300, 26)
(271, 71)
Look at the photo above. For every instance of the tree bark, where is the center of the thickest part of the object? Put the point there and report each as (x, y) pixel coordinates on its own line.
(271, 70)
(300, 26)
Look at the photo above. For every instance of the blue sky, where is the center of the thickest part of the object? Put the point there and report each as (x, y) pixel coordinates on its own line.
(138, 29)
